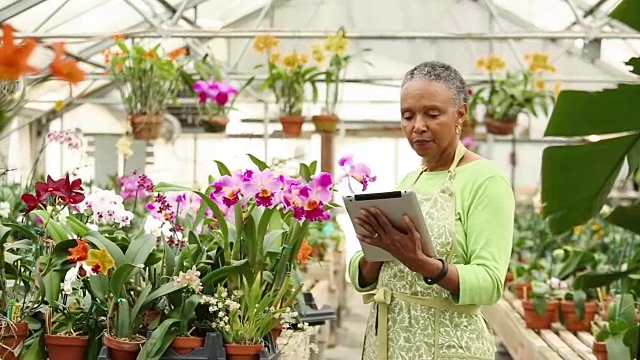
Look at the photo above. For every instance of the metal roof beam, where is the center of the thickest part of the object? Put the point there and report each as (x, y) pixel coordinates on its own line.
(17, 7)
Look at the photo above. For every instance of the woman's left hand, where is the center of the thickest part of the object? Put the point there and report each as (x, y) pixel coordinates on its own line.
(404, 245)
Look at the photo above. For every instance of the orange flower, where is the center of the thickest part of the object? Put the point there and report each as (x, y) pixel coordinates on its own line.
(79, 253)
(150, 55)
(14, 59)
(304, 252)
(65, 68)
(118, 37)
(177, 53)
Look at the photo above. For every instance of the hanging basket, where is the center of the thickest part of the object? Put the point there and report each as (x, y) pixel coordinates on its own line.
(291, 125)
(326, 123)
(500, 127)
(215, 124)
(146, 127)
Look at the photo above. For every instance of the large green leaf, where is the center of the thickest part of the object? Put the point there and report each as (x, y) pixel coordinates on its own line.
(628, 12)
(627, 217)
(583, 113)
(101, 242)
(121, 275)
(577, 179)
(139, 249)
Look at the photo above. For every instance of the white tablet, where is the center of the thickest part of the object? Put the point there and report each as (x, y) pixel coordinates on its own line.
(394, 204)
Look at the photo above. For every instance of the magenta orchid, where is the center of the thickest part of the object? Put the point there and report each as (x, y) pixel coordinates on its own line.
(357, 171)
(134, 186)
(212, 91)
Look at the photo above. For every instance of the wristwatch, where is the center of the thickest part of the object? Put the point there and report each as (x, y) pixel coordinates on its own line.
(443, 273)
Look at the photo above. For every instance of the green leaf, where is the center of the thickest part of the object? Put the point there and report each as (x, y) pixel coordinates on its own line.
(222, 222)
(121, 275)
(582, 113)
(222, 168)
(616, 349)
(627, 217)
(305, 172)
(100, 286)
(218, 274)
(573, 190)
(19, 228)
(77, 226)
(622, 310)
(596, 280)
(259, 163)
(139, 249)
(165, 289)
(628, 12)
(576, 261)
(52, 282)
(166, 187)
(53, 228)
(159, 340)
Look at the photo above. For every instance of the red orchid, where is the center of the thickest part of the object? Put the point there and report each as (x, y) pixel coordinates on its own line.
(65, 192)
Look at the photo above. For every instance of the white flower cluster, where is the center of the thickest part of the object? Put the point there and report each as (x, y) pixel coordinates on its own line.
(107, 208)
(288, 317)
(221, 305)
(189, 279)
(5, 209)
(73, 139)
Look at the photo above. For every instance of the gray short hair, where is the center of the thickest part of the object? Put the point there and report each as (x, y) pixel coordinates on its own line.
(442, 73)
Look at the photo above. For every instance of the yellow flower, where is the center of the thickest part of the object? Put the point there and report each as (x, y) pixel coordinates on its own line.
(303, 59)
(540, 84)
(100, 261)
(557, 87)
(539, 62)
(337, 43)
(274, 58)
(264, 43)
(317, 54)
(578, 230)
(596, 227)
(292, 60)
(492, 63)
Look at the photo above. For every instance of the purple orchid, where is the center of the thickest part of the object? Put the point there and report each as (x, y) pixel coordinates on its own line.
(216, 91)
(359, 172)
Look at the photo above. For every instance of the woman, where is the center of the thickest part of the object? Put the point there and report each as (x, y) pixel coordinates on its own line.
(429, 308)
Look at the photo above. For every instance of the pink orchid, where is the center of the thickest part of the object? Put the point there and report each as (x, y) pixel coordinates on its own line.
(359, 172)
(228, 189)
(265, 185)
(210, 90)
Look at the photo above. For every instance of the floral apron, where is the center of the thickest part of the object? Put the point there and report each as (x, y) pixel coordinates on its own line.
(410, 320)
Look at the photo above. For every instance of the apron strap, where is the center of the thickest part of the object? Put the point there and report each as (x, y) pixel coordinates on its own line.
(460, 151)
(382, 298)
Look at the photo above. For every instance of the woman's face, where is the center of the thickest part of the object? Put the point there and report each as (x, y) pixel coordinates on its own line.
(430, 117)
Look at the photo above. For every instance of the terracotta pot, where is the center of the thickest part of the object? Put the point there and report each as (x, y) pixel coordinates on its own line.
(122, 349)
(468, 128)
(325, 123)
(291, 125)
(276, 331)
(570, 318)
(146, 127)
(519, 289)
(11, 337)
(243, 352)
(184, 345)
(536, 321)
(508, 279)
(215, 124)
(600, 350)
(63, 347)
(500, 127)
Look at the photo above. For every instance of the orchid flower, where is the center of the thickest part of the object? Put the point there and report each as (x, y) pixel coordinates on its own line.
(357, 171)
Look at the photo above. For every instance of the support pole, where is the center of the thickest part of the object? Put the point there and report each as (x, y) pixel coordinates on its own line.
(327, 152)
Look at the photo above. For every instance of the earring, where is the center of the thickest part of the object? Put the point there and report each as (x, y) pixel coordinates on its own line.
(458, 129)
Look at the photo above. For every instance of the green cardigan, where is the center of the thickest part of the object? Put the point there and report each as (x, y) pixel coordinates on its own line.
(485, 208)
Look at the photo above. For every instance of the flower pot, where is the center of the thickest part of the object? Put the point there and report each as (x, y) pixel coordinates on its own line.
(325, 123)
(146, 127)
(291, 125)
(519, 289)
(600, 350)
(11, 338)
(508, 279)
(500, 127)
(243, 352)
(570, 318)
(536, 321)
(468, 128)
(184, 345)
(215, 124)
(63, 347)
(276, 331)
(118, 349)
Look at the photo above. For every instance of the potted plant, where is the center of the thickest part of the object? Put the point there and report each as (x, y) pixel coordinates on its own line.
(215, 96)
(612, 339)
(577, 312)
(508, 93)
(335, 46)
(539, 309)
(287, 76)
(147, 79)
